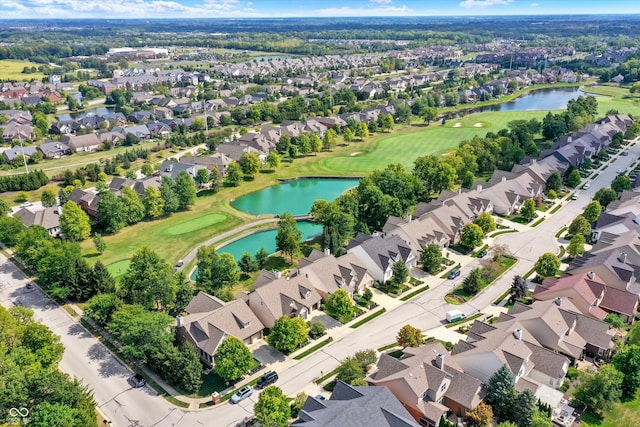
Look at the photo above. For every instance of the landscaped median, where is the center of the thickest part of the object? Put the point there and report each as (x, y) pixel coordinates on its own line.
(490, 271)
(503, 232)
(310, 350)
(368, 318)
(414, 293)
(461, 321)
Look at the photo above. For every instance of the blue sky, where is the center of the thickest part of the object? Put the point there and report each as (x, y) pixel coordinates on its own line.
(301, 8)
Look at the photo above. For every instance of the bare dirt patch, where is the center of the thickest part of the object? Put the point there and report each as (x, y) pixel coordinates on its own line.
(457, 125)
(355, 153)
(478, 125)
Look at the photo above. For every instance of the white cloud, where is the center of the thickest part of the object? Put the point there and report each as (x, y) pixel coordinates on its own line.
(483, 3)
(381, 1)
(534, 4)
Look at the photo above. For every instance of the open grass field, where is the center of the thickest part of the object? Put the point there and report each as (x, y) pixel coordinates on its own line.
(615, 97)
(11, 69)
(405, 144)
(625, 414)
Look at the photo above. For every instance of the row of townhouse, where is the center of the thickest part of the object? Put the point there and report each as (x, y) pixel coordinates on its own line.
(441, 220)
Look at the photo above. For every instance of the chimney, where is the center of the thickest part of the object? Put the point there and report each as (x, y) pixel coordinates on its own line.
(517, 333)
(179, 320)
(591, 275)
(558, 301)
(504, 179)
(479, 188)
(376, 234)
(440, 361)
(623, 258)
(409, 217)
(327, 251)
(278, 274)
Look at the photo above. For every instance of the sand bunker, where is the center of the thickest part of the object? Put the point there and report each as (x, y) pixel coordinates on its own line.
(355, 153)
(457, 125)
(478, 125)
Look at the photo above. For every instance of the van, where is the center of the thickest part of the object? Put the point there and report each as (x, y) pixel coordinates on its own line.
(267, 379)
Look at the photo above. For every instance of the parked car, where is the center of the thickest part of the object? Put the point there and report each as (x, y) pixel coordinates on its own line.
(586, 186)
(267, 379)
(482, 253)
(455, 273)
(575, 196)
(137, 380)
(242, 394)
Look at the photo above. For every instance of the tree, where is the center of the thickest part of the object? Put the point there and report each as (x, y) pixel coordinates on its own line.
(615, 320)
(289, 235)
(540, 419)
(605, 196)
(348, 135)
(428, 114)
(400, 272)
(528, 210)
(272, 408)
(480, 416)
(48, 199)
(101, 278)
(362, 131)
(471, 283)
(339, 305)
(99, 243)
(234, 174)
(366, 358)
(74, 222)
(185, 190)
(627, 361)
(576, 245)
(232, 359)
(518, 288)
(502, 393)
(408, 336)
(202, 177)
(600, 391)
(182, 367)
(142, 333)
(215, 271)
(471, 236)
(153, 202)
(147, 169)
(247, 263)
(134, 210)
(261, 258)
(149, 281)
(329, 139)
(350, 371)
(621, 183)
(554, 182)
(547, 265)
(316, 330)
(485, 222)
(574, 178)
(592, 211)
(288, 334)
(273, 160)
(48, 414)
(169, 195)
(250, 164)
(579, 225)
(524, 407)
(111, 215)
(431, 258)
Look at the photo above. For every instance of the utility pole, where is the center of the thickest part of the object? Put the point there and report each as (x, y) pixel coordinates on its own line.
(23, 156)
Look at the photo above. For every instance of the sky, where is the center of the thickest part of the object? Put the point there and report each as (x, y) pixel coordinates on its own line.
(52, 9)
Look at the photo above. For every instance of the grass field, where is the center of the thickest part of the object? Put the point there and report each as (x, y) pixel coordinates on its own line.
(615, 97)
(12, 70)
(625, 414)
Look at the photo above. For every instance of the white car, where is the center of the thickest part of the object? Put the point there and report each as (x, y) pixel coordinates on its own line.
(242, 394)
(586, 186)
(575, 196)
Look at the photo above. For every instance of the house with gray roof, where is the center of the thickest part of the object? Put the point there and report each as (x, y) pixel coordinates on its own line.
(285, 296)
(378, 254)
(53, 149)
(11, 154)
(86, 200)
(210, 320)
(48, 218)
(171, 169)
(355, 406)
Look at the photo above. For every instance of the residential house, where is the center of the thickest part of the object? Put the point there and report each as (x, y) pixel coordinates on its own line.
(327, 273)
(290, 296)
(210, 320)
(48, 218)
(216, 161)
(14, 130)
(82, 143)
(378, 254)
(591, 296)
(611, 266)
(171, 169)
(11, 154)
(53, 150)
(141, 131)
(354, 406)
(86, 200)
(429, 383)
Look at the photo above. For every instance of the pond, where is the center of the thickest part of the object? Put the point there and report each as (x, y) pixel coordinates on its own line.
(263, 239)
(93, 112)
(541, 99)
(295, 197)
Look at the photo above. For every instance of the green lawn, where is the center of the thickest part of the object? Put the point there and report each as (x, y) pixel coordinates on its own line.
(614, 97)
(459, 295)
(11, 69)
(624, 414)
(195, 224)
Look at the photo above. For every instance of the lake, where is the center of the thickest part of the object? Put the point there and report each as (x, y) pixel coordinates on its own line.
(93, 112)
(541, 99)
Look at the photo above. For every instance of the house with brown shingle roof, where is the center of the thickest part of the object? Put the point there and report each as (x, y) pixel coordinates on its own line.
(86, 200)
(285, 296)
(328, 274)
(82, 143)
(49, 218)
(428, 382)
(210, 320)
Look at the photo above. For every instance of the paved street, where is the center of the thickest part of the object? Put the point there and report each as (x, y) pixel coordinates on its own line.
(86, 358)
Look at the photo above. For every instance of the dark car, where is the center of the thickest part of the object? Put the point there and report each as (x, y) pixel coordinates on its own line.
(267, 379)
(137, 380)
(455, 273)
(482, 253)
